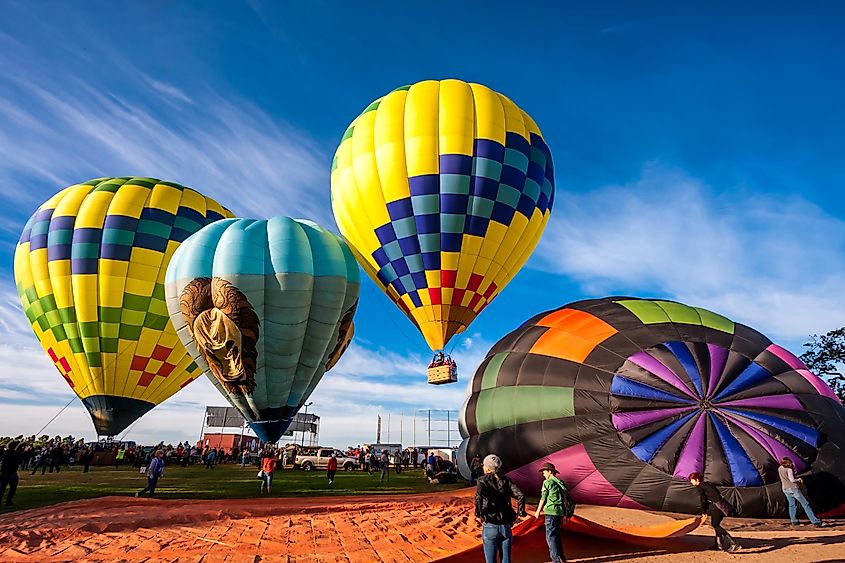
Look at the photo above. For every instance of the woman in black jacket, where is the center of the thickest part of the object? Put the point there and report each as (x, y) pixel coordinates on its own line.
(493, 507)
(711, 500)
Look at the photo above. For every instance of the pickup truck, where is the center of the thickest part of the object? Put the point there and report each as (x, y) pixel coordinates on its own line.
(318, 458)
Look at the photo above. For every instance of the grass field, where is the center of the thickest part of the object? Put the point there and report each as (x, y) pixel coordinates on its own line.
(224, 481)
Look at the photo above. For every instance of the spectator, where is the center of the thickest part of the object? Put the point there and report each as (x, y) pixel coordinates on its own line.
(118, 458)
(154, 473)
(268, 467)
(209, 459)
(9, 464)
(493, 507)
(385, 466)
(475, 468)
(331, 468)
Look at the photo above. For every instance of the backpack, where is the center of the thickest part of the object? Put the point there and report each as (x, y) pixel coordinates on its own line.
(568, 502)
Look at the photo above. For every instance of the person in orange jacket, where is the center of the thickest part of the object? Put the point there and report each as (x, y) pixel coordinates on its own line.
(268, 466)
(331, 468)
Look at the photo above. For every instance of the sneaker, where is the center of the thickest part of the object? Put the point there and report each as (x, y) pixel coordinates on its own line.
(137, 495)
(820, 525)
(796, 523)
(733, 547)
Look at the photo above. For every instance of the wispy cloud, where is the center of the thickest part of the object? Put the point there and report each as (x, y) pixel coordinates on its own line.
(775, 264)
(229, 149)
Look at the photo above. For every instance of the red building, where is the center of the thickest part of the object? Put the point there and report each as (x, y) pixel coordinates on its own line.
(229, 441)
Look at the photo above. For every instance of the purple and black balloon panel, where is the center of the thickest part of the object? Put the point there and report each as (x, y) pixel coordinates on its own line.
(672, 390)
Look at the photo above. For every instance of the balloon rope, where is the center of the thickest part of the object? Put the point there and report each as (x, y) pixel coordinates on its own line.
(128, 430)
(102, 375)
(55, 417)
(401, 330)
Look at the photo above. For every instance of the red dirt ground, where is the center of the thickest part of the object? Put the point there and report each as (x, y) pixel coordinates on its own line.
(420, 528)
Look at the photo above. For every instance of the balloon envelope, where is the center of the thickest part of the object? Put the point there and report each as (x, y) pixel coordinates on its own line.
(89, 269)
(442, 189)
(264, 306)
(628, 396)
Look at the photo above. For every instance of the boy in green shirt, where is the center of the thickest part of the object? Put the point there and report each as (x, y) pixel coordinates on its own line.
(552, 506)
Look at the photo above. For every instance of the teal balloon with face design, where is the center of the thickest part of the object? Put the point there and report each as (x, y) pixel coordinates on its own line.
(265, 307)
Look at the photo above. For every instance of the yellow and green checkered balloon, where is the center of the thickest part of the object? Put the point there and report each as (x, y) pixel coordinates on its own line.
(442, 189)
(90, 269)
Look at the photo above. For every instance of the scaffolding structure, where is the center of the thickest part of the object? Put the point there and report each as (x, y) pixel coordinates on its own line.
(423, 427)
(303, 430)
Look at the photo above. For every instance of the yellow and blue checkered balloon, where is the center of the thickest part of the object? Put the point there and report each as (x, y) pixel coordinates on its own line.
(442, 189)
(89, 269)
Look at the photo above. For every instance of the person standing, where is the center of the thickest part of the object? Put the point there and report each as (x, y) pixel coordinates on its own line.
(475, 469)
(154, 472)
(118, 458)
(789, 484)
(331, 468)
(85, 458)
(716, 507)
(56, 456)
(9, 470)
(552, 506)
(384, 466)
(493, 507)
(209, 458)
(268, 467)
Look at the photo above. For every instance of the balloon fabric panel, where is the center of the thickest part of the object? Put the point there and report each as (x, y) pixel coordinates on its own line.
(442, 189)
(90, 269)
(658, 390)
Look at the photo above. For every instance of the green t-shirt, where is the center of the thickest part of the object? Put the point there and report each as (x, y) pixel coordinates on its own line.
(552, 496)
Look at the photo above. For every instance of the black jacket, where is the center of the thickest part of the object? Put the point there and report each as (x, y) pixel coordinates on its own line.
(11, 460)
(493, 500)
(708, 495)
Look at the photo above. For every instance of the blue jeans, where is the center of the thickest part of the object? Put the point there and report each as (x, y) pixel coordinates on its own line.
(152, 482)
(795, 494)
(553, 539)
(267, 481)
(496, 540)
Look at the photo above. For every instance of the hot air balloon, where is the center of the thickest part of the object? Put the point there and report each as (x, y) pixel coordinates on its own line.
(628, 396)
(89, 269)
(442, 189)
(265, 307)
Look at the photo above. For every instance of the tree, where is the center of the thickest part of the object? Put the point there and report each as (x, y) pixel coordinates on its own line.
(824, 355)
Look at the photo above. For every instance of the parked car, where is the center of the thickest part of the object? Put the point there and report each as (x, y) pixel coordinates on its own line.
(309, 459)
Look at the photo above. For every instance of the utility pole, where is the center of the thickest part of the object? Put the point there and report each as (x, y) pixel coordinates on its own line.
(429, 427)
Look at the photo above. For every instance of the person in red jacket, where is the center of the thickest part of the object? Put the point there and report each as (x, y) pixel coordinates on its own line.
(268, 466)
(331, 468)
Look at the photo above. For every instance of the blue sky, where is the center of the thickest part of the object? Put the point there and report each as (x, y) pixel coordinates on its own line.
(698, 156)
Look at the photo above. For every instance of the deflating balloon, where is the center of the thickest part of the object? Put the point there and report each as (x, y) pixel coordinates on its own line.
(627, 397)
(442, 189)
(89, 269)
(265, 307)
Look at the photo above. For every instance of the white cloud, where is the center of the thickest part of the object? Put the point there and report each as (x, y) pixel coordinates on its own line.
(228, 149)
(774, 264)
